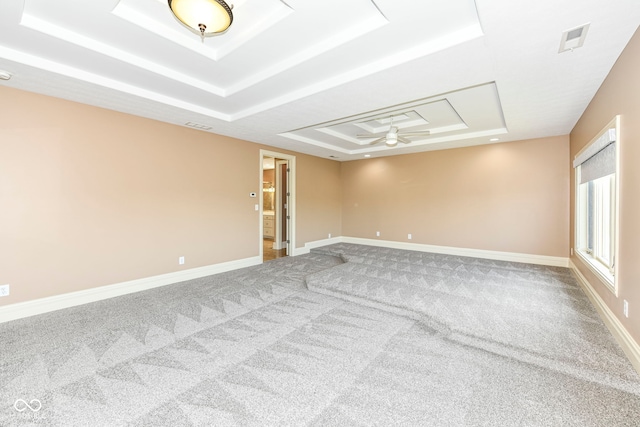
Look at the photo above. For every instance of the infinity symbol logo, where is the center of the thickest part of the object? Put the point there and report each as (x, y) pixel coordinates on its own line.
(21, 405)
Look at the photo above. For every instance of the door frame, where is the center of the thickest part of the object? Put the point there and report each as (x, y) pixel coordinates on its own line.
(291, 160)
(278, 243)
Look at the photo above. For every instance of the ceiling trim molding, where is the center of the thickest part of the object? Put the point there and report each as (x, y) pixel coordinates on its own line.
(37, 24)
(399, 149)
(452, 39)
(85, 76)
(333, 42)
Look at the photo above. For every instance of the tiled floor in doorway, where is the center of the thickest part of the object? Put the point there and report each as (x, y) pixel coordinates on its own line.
(268, 253)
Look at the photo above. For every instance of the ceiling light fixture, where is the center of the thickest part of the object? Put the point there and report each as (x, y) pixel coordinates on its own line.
(5, 75)
(206, 17)
(391, 139)
(394, 136)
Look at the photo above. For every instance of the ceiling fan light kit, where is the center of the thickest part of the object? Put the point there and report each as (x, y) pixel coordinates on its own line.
(391, 139)
(206, 17)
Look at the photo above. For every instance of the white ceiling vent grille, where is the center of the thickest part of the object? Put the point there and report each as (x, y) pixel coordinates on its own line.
(198, 126)
(573, 38)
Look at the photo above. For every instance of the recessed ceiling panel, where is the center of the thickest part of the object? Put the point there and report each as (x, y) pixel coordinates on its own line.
(274, 52)
(462, 114)
(328, 70)
(254, 16)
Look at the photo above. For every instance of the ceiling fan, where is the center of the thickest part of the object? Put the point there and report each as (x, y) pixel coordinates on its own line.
(393, 136)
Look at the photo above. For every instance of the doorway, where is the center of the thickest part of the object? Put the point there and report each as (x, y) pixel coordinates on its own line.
(277, 205)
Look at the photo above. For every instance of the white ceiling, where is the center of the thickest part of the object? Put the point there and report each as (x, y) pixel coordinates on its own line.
(309, 76)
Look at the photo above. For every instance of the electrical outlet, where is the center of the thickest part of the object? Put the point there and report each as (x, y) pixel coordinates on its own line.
(181, 260)
(625, 308)
(4, 291)
(409, 236)
(377, 233)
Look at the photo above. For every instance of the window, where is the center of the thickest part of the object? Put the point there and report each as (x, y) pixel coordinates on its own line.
(596, 203)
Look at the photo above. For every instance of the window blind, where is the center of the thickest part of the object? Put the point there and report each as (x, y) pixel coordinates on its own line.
(598, 159)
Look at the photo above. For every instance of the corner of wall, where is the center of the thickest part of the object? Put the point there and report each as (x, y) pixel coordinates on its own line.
(630, 347)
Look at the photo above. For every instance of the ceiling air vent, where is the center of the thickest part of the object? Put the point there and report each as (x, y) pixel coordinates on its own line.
(198, 126)
(573, 38)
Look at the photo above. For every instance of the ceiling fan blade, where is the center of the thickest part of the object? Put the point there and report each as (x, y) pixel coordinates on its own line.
(403, 140)
(420, 133)
(367, 136)
(377, 141)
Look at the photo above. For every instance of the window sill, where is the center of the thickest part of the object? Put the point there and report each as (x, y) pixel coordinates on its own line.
(599, 270)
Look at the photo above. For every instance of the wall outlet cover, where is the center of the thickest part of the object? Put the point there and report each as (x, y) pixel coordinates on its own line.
(625, 308)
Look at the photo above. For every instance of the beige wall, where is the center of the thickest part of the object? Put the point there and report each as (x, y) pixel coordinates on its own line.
(510, 197)
(619, 94)
(319, 199)
(92, 197)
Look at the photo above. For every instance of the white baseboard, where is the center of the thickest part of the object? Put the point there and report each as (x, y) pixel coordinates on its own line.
(448, 250)
(630, 347)
(316, 244)
(71, 299)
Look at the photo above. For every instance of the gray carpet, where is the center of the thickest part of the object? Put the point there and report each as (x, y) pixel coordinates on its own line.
(536, 314)
(514, 345)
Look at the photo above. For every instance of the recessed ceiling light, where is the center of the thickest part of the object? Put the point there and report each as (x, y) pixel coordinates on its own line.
(4, 75)
(367, 155)
(494, 139)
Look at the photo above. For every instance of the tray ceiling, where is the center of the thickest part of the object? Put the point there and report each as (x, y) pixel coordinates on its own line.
(310, 76)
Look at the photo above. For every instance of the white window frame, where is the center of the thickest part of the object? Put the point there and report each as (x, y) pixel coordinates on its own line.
(600, 246)
(598, 266)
